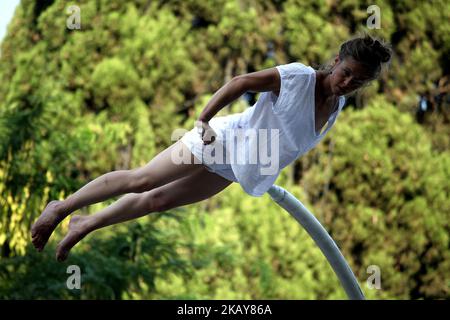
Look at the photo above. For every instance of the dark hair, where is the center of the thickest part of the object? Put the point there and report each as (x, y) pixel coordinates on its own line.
(369, 51)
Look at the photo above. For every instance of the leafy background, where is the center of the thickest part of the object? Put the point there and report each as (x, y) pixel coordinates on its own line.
(75, 104)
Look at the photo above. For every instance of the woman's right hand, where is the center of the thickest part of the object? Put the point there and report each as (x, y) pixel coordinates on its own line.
(207, 134)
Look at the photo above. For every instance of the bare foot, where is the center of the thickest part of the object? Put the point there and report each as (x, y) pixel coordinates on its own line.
(77, 231)
(46, 224)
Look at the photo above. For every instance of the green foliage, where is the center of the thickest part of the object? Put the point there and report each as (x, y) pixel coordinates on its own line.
(114, 265)
(75, 104)
(387, 199)
(249, 248)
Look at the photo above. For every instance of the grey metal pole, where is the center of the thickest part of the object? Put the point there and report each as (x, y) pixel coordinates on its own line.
(321, 238)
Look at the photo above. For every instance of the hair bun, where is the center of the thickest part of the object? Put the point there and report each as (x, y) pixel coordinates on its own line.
(368, 41)
(382, 52)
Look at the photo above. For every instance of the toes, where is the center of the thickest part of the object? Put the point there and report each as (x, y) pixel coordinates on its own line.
(35, 240)
(36, 237)
(66, 244)
(62, 249)
(61, 254)
(34, 231)
(39, 240)
(39, 243)
(61, 257)
(43, 240)
(38, 247)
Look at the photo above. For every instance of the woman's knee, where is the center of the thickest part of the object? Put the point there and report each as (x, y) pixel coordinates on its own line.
(140, 181)
(157, 200)
(188, 190)
(160, 171)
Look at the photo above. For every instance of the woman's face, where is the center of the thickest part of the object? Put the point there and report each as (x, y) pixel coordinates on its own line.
(348, 75)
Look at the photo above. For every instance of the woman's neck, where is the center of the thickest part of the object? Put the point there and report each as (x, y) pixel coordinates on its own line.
(323, 84)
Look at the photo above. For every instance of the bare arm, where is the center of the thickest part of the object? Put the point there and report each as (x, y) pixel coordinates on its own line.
(232, 90)
(260, 81)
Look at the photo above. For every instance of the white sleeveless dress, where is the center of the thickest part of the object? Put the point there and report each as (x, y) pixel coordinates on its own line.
(292, 117)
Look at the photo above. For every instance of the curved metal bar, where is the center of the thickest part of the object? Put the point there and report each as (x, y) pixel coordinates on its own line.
(321, 238)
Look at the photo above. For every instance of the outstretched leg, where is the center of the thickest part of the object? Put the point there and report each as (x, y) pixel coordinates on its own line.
(196, 187)
(159, 171)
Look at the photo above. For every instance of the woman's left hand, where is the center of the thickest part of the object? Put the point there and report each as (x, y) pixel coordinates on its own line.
(207, 134)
